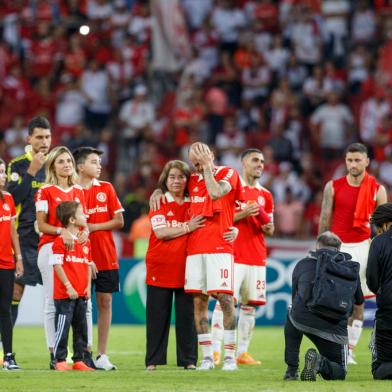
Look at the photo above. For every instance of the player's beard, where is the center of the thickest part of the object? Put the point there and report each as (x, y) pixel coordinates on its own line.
(356, 173)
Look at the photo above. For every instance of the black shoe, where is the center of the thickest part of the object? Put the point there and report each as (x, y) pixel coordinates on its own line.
(312, 365)
(52, 362)
(10, 363)
(291, 375)
(88, 360)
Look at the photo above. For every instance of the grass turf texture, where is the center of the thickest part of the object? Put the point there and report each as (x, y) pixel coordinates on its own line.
(127, 345)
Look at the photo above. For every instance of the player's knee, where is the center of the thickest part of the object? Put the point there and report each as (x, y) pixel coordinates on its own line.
(104, 301)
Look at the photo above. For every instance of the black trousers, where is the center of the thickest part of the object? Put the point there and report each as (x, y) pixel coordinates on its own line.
(70, 312)
(158, 315)
(381, 346)
(7, 277)
(333, 364)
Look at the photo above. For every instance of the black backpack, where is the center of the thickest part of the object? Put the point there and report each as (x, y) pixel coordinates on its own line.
(335, 285)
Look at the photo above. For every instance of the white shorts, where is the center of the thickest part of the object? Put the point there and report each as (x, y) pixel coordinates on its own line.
(250, 284)
(359, 251)
(209, 273)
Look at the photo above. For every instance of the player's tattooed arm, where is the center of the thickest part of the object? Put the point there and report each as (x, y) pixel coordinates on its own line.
(215, 189)
(381, 197)
(326, 208)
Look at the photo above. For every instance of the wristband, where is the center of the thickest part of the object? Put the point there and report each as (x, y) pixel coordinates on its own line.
(58, 230)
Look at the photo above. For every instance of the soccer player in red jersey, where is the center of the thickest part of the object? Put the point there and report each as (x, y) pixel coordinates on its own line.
(209, 265)
(9, 268)
(71, 287)
(61, 186)
(165, 277)
(254, 219)
(348, 203)
(104, 215)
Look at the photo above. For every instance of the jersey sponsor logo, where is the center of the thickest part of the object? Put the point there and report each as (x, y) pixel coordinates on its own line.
(261, 201)
(6, 207)
(85, 250)
(5, 218)
(229, 174)
(96, 209)
(198, 199)
(14, 176)
(101, 197)
(37, 184)
(170, 213)
(74, 259)
(174, 223)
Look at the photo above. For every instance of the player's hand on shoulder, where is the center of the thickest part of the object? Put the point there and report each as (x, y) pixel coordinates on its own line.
(196, 222)
(68, 239)
(231, 234)
(156, 199)
(82, 236)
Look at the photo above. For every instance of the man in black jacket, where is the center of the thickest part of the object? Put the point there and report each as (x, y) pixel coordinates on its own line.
(328, 335)
(379, 280)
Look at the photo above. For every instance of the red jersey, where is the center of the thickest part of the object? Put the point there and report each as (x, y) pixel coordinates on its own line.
(165, 260)
(345, 201)
(102, 204)
(75, 264)
(7, 212)
(250, 247)
(48, 198)
(219, 213)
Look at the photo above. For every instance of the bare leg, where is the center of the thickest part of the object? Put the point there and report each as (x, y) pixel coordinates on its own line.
(104, 305)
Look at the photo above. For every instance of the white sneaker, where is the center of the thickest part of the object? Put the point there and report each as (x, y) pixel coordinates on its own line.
(102, 363)
(206, 364)
(351, 358)
(229, 364)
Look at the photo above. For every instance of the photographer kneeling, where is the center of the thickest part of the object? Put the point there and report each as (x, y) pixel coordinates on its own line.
(325, 286)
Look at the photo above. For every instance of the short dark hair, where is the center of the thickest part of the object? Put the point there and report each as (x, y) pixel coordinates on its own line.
(81, 154)
(250, 151)
(328, 240)
(65, 211)
(357, 147)
(38, 122)
(382, 214)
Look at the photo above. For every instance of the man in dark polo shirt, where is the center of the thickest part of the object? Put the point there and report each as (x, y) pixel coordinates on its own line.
(328, 335)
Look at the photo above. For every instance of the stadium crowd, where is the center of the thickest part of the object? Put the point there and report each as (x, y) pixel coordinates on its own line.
(299, 79)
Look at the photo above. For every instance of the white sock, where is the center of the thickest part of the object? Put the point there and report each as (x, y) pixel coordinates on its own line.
(89, 318)
(246, 324)
(205, 343)
(354, 332)
(229, 340)
(217, 328)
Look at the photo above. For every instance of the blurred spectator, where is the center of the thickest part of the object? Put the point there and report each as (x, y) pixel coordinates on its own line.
(140, 25)
(382, 141)
(371, 113)
(312, 215)
(16, 137)
(120, 19)
(331, 125)
(281, 145)
(288, 215)
(136, 118)
(96, 88)
(196, 12)
(364, 23)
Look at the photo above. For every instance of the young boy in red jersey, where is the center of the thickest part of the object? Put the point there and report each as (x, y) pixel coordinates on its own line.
(72, 287)
(105, 215)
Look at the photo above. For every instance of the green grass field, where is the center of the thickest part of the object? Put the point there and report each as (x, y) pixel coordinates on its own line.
(127, 351)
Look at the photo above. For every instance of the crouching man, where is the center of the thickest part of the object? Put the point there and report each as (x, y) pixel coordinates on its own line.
(325, 286)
